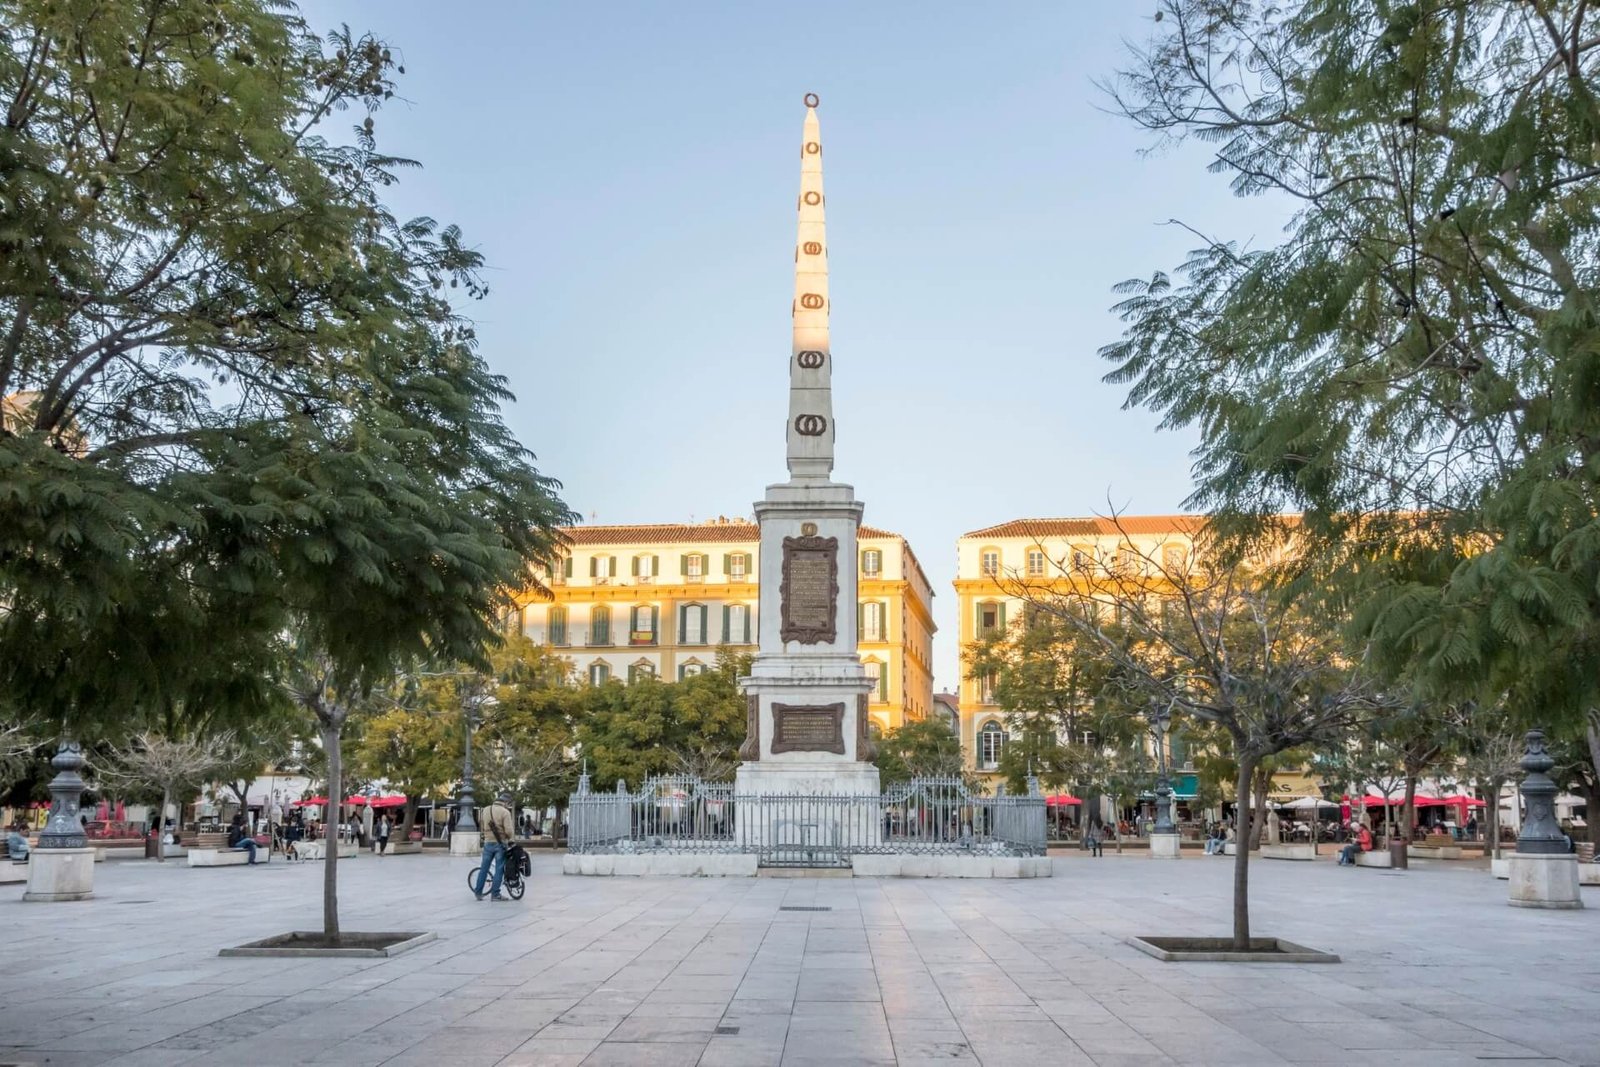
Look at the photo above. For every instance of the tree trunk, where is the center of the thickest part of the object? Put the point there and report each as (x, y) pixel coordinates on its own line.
(1593, 816)
(1241, 858)
(1491, 820)
(161, 825)
(330, 867)
(1258, 810)
(1408, 812)
(408, 818)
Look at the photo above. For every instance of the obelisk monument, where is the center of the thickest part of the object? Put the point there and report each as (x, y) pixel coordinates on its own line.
(807, 690)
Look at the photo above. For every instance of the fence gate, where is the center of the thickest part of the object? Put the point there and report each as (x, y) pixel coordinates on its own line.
(800, 831)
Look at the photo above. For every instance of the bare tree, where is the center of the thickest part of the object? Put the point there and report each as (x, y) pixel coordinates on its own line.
(175, 765)
(1236, 643)
(19, 740)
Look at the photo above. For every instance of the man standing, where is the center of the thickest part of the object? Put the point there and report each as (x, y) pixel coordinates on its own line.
(498, 829)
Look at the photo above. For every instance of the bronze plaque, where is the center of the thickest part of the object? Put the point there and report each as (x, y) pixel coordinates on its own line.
(750, 751)
(808, 728)
(809, 594)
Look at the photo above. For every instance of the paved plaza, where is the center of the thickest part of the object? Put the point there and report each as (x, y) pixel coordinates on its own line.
(1438, 970)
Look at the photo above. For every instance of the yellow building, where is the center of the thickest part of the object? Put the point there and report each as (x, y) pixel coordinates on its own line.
(662, 599)
(1038, 552)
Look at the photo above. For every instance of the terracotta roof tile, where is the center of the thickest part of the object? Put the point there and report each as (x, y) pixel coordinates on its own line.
(1093, 526)
(670, 533)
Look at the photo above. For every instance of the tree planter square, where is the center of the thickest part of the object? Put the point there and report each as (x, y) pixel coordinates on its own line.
(312, 943)
(1220, 950)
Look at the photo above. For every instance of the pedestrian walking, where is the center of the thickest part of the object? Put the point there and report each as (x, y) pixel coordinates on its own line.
(1093, 841)
(383, 833)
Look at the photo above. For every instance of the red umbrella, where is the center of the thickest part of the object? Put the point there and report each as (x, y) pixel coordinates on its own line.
(389, 800)
(309, 803)
(1060, 800)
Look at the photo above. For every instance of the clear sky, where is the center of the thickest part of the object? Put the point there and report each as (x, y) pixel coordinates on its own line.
(630, 170)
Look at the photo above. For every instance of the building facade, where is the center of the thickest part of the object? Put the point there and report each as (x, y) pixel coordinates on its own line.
(662, 600)
(991, 565)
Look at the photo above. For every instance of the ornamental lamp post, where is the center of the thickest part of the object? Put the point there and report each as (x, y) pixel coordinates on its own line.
(61, 867)
(1544, 870)
(1164, 843)
(472, 705)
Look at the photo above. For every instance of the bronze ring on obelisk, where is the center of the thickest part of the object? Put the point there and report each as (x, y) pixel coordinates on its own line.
(812, 100)
(810, 359)
(810, 425)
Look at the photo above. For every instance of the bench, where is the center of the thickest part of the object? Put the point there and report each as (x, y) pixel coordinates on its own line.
(1289, 852)
(225, 857)
(1375, 859)
(1434, 852)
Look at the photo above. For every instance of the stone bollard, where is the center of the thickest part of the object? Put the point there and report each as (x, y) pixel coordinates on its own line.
(1544, 874)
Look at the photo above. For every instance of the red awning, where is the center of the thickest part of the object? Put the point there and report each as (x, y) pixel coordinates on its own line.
(391, 800)
(1060, 800)
(308, 803)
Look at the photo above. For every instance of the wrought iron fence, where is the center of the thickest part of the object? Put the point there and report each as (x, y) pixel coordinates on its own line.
(934, 816)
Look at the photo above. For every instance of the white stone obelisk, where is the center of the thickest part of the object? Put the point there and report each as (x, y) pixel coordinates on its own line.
(807, 690)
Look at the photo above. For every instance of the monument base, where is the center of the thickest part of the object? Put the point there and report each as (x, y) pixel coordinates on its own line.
(1544, 881)
(1164, 847)
(466, 843)
(822, 809)
(60, 874)
(806, 778)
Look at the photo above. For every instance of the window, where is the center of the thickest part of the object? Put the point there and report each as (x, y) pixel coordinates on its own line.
(989, 562)
(991, 618)
(736, 624)
(644, 567)
(694, 567)
(1173, 558)
(640, 671)
(1035, 562)
(690, 669)
(603, 567)
(1128, 560)
(642, 630)
(880, 682)
(872, 621)
(872, 562)
(986, 684)
(991, 742)
(600, 625)
(558, 626)
(737, 564)
(599, 674)
(692, 624)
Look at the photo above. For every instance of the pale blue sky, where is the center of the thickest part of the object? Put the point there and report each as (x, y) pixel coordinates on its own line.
(630, 172)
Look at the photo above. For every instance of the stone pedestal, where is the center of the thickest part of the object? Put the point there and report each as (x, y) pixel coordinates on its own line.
(1164, 847)
(60, 874)
(1544, 881)
(466, 843)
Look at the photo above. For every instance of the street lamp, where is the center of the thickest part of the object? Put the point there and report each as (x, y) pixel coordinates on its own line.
(475, 701)
(1160, 717)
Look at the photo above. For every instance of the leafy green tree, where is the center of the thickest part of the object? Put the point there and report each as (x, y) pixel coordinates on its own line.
(1413, 364)
(920, 748)
(653, 727)
(1243, 648)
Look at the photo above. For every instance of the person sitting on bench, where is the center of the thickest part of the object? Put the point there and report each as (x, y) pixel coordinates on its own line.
(239, 838)
(17, 843)
(1361, 843)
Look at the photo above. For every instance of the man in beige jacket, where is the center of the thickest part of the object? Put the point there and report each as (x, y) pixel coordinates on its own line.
(498, 834)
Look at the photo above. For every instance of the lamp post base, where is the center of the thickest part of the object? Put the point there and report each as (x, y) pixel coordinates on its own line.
(60, 874)
(466, 843)
(1164, 847)
(1544, 881)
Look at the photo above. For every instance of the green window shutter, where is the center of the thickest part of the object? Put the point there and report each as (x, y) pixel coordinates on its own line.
(655, 566)
(683, 563)
(1002, 618)
(635, 574)
(727, 622)
(861, 618)
(655, 625)
(727, 563)
(746, 637)
(594, 566)
(683, 623)
(977, 623)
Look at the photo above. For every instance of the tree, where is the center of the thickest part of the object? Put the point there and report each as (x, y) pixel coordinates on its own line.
(247, 405)
(215, 343)
(1237, 644)
(19, 740)
(653, 727)
(1412, 365)
(412, 741)
(920, 748)
(174, 766)
(1491, 756)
